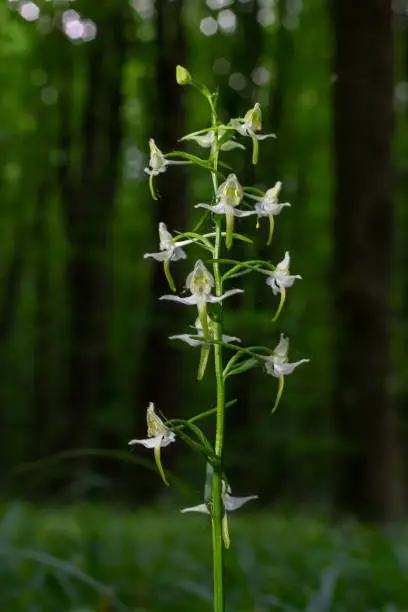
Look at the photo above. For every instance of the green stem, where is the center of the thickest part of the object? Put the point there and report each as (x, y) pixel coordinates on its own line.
(218, 507)
(241, 349)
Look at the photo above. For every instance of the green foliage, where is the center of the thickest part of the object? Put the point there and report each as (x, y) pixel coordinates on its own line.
(93, 558)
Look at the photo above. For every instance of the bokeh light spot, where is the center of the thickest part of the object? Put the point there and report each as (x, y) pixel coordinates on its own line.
(261, 76)
(227, 21)
(29, 11)
(237, 81)
(49, 95)
(216, 5)
(208, 26)
(221, 65)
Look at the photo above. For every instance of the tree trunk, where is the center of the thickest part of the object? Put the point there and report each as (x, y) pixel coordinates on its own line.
(161, 376)
(366, 470)
(89, 192)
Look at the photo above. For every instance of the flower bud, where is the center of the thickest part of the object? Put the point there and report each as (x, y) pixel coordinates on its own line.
(183, 77)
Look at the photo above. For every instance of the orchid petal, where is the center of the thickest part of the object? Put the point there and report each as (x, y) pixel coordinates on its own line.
(187, 338)
(264, 136)
(218, 209)
(202, 508)
(243, 213)
(149, 442)
(230, 145)
(226, 338)
(189, 301)
(162, 256)
(233, 503)
(237, 126)
(215, 299)
(287, 368)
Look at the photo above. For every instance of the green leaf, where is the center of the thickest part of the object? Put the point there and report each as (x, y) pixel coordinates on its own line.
(243, 238)
(207, 447)
(201, 220)
(243, 366)
(192, 158)
(202, 415)
(197, 237)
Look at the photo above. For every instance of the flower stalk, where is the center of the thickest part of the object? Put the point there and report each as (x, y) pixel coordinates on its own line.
(218, 507)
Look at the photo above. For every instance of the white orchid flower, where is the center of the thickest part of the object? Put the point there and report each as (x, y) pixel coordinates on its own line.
(280, 279)
(278, 365)
(200, 283)
(157, 164)
(229, 196)
(199, 340)
(268, 206)
(249, 125)
(230, 504)
(169, 251)
(158, 436)
(208, 140)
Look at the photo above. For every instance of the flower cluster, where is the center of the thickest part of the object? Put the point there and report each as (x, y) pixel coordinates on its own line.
(205, 290)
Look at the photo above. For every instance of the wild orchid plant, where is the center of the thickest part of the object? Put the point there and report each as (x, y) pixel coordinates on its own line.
(206, 288)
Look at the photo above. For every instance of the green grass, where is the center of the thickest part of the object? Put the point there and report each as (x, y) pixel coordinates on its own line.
(99, 559)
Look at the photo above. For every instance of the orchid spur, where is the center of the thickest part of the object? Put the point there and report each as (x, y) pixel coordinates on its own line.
(248, 126)
(158, 436)
(278, 365)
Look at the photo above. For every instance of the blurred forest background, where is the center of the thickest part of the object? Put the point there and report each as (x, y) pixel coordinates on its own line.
(83, 338)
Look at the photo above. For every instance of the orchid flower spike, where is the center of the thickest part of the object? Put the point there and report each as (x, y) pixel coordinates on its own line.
(200, 283)
(208, 139)
(230, 504)
(169, 251)
(279, 280)
(268, 206)
(199, 340)
(157, 164)
(229, 196)
(278, 365)
(158, 436)
(249, 125)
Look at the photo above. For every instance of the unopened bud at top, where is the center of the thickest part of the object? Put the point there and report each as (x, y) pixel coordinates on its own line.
(183, 77)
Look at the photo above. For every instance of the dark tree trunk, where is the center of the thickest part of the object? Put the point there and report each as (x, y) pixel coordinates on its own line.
(161, 374)
(11, 289)
(89, 193)
(170, 207)
(366, 470)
